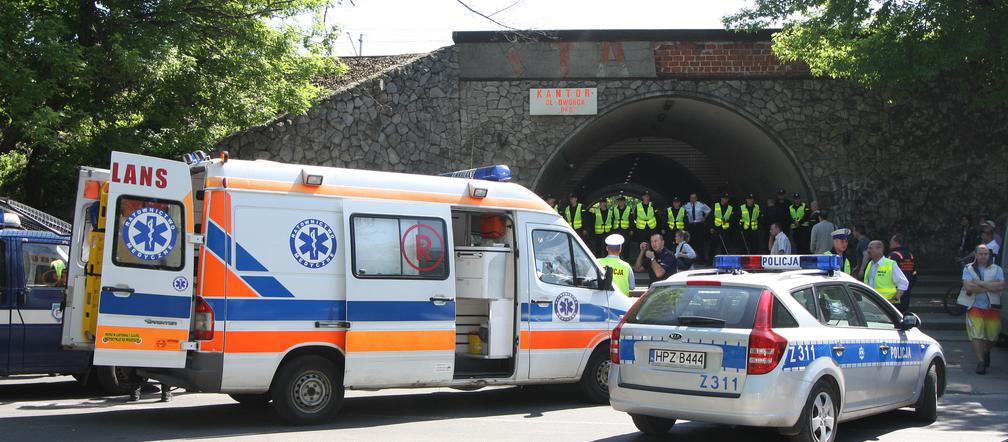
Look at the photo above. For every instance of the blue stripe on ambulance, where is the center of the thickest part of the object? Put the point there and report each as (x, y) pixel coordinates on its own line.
(267, 286)
(218, 241)
(532, 312)
(146, 304)
(246, 262)
(246, 309)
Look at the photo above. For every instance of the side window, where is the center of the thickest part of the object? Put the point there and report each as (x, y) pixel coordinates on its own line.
(45, 265)
(149, 233)
(806, 298)
(875, 315)
(586, 273)
(553, 262)
(398, 247)
(781, 317)
(835, 306)
(4, 276)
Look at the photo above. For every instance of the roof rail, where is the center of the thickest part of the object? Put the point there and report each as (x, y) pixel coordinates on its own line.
(34, 219)
(796, 273)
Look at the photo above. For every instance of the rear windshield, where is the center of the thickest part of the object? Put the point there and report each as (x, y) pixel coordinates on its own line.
(665, 305)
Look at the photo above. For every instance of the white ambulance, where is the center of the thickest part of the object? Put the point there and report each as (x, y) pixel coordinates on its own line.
(290, 283)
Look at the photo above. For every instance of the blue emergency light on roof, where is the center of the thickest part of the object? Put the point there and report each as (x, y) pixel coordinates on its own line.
(777, 262)
(499, 172)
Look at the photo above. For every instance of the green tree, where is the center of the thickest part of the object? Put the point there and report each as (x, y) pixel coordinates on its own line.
(897, 47)
(79, 78)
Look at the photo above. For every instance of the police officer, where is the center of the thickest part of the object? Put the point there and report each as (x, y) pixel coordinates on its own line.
(623, 276)
(675, 217)
(883, 274)
(621, 218)
(696, 219)
(645, 220)
(721, 233)
(800, 224)
(552, 202)
(899, 252)
(749, 218)
(603, 217)
(840, 247)
(574, 214)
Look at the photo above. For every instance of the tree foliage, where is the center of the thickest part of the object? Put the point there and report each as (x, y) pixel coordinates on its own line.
(79, 78)
(897, 47)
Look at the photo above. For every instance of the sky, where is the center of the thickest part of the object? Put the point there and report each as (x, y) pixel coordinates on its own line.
(412, 26)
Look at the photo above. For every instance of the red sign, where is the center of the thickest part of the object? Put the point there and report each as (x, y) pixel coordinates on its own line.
(147, 175)
(424, 244)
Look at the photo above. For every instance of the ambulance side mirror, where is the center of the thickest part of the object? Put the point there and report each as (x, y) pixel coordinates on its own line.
(606, 282)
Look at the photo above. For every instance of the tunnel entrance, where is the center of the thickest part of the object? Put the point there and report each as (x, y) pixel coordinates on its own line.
(671, 145)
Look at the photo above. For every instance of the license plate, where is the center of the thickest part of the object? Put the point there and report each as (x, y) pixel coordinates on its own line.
(678, 359)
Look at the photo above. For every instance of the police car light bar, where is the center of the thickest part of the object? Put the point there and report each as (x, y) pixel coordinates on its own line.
(499, 172)
(777, 262)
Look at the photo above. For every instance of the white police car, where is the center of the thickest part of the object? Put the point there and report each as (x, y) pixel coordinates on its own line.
(800, 350)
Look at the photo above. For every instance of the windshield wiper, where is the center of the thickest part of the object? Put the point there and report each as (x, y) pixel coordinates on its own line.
(701, 320)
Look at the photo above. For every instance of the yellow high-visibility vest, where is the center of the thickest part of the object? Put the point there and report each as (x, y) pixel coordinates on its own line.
(679, 220)
(750, 221)
(884, 283)
(621, 220)
(622, 272)
(602, 225)
(797, 214)
(722, 220)
(846, 262)
(646, 217)
(573, 220)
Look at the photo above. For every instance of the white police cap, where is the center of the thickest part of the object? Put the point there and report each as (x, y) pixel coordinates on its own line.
(614, 240)
(841, 233)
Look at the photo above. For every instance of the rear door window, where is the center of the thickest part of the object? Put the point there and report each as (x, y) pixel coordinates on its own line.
(836, 307)
(806, 297)
(697, 305)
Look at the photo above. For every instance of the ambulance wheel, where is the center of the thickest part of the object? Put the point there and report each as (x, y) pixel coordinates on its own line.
(926, 408)
(113, 380)
(308, 391)
(652, 426)
(595, 379)
(818, 420)
(252, 399)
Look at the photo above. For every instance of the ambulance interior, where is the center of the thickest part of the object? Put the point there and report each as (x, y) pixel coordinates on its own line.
(484, 293)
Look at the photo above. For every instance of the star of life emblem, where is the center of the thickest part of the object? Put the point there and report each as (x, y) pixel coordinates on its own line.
(313, 243)
(565, 306)
(149, 233)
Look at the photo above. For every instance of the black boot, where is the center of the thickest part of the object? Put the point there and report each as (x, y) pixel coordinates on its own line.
(986, 359)
(981, 368)
(134, 394)
(166, 395)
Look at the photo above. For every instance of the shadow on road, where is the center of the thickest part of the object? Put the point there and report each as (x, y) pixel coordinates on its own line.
(114, 418)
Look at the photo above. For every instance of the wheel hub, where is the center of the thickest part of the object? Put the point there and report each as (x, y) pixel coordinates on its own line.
(311, 392)
(822, 417)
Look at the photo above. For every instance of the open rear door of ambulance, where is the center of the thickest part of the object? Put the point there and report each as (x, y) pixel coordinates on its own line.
(400, 294)
(147, 276)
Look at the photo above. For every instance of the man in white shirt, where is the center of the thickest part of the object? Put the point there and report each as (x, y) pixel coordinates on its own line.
(779, 244)
(696, 222)
(882, 274)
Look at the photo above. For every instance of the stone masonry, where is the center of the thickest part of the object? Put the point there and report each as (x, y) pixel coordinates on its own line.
(912, 167)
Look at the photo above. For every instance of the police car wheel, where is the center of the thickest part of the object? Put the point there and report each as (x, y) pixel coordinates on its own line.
(252, 399)
(308, 390)
(926, 408)
(652, 426)
(818, 421)
(595, 379)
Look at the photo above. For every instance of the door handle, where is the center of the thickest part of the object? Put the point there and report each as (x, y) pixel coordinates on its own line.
(883, 347)
(440, 299)
(332, 324)
(118, 291)
(543, 301)
(839, 349)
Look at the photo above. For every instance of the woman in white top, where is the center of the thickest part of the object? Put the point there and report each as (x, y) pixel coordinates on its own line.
(684, 253)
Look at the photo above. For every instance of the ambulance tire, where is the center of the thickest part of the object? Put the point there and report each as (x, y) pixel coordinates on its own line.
(112, 380)
(252, 399)
(926, 408)
(595, 379)
(652, 426)
(308, 390)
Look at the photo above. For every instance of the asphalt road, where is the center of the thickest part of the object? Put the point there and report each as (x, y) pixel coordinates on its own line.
(55, 408)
